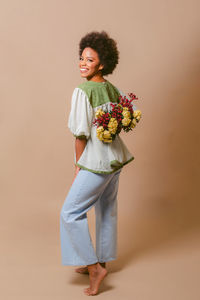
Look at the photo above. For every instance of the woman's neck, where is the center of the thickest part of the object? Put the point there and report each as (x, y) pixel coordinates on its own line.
(96, 78)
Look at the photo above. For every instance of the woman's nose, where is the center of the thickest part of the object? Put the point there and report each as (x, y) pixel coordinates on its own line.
(83, 63)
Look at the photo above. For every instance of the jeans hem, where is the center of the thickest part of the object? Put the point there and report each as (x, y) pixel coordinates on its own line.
(79, 264)
(89, 263)
(106, 260)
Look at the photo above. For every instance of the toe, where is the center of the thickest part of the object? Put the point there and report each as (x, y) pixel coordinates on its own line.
(87, 291)
(78, 270)
(82, 270)
(90, 292)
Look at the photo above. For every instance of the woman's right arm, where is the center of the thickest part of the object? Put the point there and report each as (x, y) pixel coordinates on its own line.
(80, 122)
(79, 148)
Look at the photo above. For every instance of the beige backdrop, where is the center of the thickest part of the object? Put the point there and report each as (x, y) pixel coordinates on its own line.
(158, 201)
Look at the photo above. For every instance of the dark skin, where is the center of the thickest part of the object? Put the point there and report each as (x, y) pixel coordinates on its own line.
(79, 148)
(90, 68)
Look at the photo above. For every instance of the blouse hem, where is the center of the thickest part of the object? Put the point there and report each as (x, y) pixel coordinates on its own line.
(104, 172)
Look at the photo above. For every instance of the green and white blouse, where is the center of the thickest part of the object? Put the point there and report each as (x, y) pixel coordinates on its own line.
(97, 157)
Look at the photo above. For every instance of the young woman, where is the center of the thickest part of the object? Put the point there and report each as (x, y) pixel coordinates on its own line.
(97, 165)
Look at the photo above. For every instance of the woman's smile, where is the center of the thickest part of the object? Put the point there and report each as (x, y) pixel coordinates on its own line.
(90, 66)
(83, 70)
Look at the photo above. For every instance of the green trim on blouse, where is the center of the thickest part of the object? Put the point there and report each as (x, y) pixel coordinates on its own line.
(81, 137)
(120, 165)
(99, 93)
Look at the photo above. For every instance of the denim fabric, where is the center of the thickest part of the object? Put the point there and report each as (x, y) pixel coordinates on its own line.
(90, 189)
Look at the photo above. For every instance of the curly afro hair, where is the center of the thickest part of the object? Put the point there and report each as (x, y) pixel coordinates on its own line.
(104, 46)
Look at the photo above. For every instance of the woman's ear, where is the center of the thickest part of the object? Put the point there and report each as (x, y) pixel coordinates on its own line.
(101, 67)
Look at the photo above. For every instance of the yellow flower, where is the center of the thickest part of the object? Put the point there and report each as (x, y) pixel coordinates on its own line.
(137, 114)
(107, 141)
(112, 125)
(107, 136)
(126, 121)
(99, 113)
(100, 132)
(126, 112)
(133, 123)
(138, 118)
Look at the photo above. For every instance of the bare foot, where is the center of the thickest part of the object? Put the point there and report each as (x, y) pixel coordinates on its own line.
(84, 270)
(96, 274)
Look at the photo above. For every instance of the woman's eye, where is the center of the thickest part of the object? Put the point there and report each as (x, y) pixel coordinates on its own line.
(81, 58)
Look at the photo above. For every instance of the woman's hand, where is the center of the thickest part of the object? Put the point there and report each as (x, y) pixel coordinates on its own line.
(77, 169)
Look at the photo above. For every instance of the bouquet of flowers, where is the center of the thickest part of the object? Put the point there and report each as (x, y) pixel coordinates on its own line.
(120, 117)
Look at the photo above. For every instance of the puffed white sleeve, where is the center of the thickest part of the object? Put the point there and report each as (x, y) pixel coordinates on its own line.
(81, 114)
(123, 94)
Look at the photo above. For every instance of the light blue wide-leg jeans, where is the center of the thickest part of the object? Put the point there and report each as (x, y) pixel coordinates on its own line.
(90, 189)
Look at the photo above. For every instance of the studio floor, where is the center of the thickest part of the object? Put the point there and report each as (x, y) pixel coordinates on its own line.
(31, 268)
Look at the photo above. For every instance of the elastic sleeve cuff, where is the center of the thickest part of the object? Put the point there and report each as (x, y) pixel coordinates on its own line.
(81, 137)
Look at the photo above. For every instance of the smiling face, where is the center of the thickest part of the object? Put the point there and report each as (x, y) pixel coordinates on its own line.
(90, 66)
